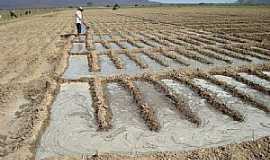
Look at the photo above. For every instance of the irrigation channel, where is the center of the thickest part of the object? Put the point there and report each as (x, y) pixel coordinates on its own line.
(132, 97)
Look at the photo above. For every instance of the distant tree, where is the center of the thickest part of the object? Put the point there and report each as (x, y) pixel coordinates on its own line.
(201, 4)
(108, 5)
(116, 6)
(136, 5)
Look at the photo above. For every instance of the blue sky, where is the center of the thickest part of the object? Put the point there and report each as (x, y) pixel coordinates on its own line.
(195, 1)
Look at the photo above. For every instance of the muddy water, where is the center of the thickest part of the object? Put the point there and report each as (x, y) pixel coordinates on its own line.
(219, 127)
(114, 46)
(260, 97)
(209, 116)
(254, 59)
(254, 117)
(191, 62)
(150, 62)
(256, 80)
(172, 63)
(99, 47)
(165, 110)
(78, 48)
(143, 45)
(72, 123)
(72, 127)
(128, 45)
(130, 66)
(106, 65)
(77, 68)
(214, 61)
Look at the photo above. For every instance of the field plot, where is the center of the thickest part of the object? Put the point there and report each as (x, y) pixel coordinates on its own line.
(140, 81)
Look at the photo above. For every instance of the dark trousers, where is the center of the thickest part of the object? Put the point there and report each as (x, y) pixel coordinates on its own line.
(79, 28)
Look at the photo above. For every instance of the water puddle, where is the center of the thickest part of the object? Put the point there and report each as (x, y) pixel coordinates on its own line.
(143, 45)
(150, 62)
(206, 113)
(130, 66)
(254, 59)
(78, 48)
(218, 128)
(99, 47)
(127, 45)
(256, 80)
(193, 63)
(106, 65)
(72, 123)
(214, 61)
(246, 90)
(172, 63)
(77, 68)
(165, 110)
(252, 115)
(72, 127)
(114, 46)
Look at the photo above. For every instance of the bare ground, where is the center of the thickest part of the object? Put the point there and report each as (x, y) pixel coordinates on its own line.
(32, 55)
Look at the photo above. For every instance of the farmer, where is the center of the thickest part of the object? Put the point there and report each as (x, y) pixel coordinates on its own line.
(79, 20)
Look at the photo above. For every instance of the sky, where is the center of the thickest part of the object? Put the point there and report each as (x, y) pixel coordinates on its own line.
(195, 1)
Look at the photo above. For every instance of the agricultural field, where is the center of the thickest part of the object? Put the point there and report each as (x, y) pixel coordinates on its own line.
(140, 83)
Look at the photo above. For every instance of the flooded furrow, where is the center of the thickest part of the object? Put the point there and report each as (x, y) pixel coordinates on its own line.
(100, 48)
(206, 113)
(127, 45)
(171, 62)
(150, 62)
(252, 115)
(106, 65)
(262, 98)
(191, 62)
(78, 67)
(143, 45)
(114, 46)
(256, 80)
(72, 123)
(130, 66)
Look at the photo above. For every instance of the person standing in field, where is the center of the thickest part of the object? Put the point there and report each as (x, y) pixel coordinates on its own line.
(79, 19)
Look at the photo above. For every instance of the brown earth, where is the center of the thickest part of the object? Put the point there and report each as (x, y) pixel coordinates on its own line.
(32, 55)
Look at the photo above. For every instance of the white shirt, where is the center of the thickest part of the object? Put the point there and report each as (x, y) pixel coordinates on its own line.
(78, 17)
